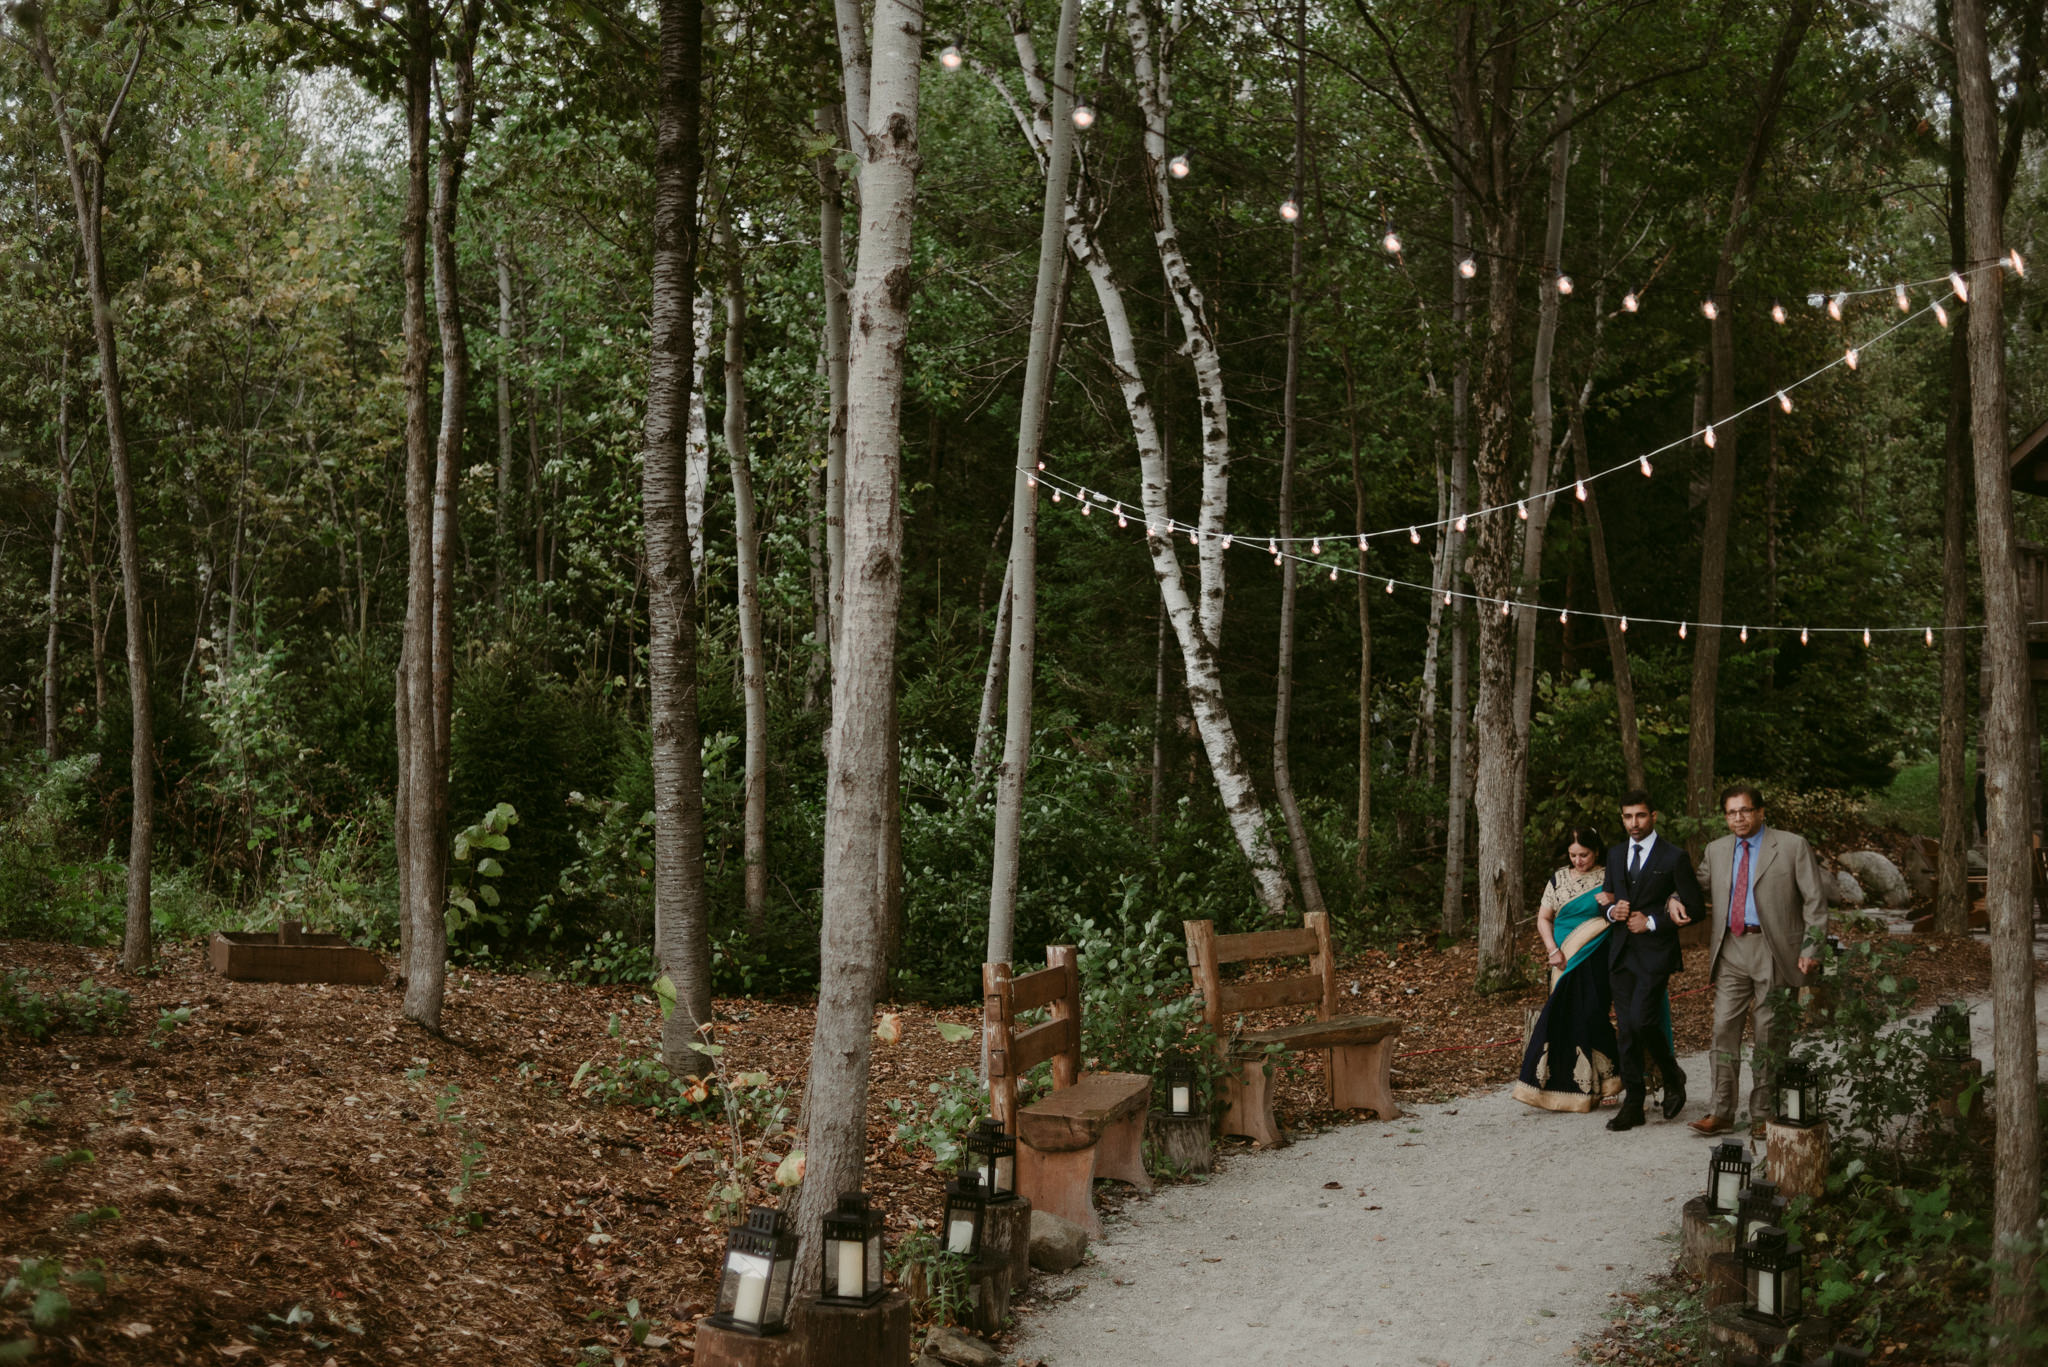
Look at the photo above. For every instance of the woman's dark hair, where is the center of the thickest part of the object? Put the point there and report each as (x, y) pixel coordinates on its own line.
(1585, 837)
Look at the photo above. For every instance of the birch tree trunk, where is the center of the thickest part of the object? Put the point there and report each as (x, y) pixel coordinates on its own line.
(992, 679)
(51, 714)
(1283, 706)
(2007, 758)
(1234, 784)
(747, 549)
(1022, 575)
(681, 932)
(501, 549)
(1952, 890)
(86, 168)
(697, 467)
(832, 357)
(861, 777)
(1460, 776)
(1706, 647)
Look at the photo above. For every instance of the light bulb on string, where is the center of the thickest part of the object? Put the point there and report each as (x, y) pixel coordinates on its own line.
(1802, 635)
(1414, 537)
(1226, 541)
(2018, 262)
(1031, 480)
(1041, 465)
(1960, 286)
(1083, 116)
(1503, 607)
(1468, 268)
(1461, 522)
(1391, 242)
(1784, 401)
(1361, 543)
(1866, 636)
(1563, 615)
(1624, 624)
(1777, 313)
(1835, 307)
(1643, 463)
(1180, 166)
(1317, 547)
(1744, 636)
(1447, 597)
(1564, 283)
(1086, 508)
(1390, 586)
(1940, 314)
(1055, 495)
(1333, 574)
(1289, 210)
(1121, 520)
(1850, 357)
(1522, 509)
(950, 58)
(1630, 303)
(1273, 549)
(1681, 631)
(1194, 537)
(1711, 309)
(1710, 434)
(1581, 491)
(1276, 560)
(1930, 636)
(1899, 294)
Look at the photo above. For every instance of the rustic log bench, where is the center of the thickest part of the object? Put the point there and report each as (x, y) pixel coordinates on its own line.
(1091, 1126)
(1359, 1050)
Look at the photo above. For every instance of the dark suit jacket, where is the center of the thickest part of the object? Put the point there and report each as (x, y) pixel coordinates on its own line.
(1666, 870)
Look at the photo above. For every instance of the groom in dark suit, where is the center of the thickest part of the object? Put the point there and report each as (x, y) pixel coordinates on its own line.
(1643, 874)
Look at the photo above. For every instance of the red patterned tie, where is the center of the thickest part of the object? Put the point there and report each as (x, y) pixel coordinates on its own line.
(1738, 903)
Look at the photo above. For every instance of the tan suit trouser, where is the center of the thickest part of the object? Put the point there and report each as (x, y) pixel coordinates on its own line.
(1743, 984)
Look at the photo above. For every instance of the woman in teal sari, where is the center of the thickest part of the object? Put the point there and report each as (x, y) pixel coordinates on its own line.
(1570, 1062)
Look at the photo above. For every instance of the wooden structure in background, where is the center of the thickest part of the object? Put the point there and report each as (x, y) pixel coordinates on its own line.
(289, 955)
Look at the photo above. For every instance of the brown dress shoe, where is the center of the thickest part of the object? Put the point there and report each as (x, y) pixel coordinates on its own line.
(1710, 1125)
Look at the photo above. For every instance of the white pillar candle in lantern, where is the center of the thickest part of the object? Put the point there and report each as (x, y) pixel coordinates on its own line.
(753, 1290)
(1180, 1099)
(852, 1276)
(960, 1235)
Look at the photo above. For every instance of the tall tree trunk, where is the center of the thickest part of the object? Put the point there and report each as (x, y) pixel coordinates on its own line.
(1541, 428)
(1234, 784)
(1361, 858)
(501, 548)
(681, 923)
(747, 549)
(1603, 590)
(817, 668)
(1459, 797)
(1952, 890)
(832, 358)
(1706, 646)
(1022, 577)
(1283, 705)
(86, 167)
(2008, 764)
(697, 458)
(51, 713)
(992, 679)
(861, 777)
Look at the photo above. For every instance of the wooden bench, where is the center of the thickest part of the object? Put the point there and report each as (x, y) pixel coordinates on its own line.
(1092, 1126)
(1359, 1050)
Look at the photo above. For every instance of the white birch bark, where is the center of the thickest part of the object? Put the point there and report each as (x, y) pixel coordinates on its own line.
(697, 449)
(747, 557)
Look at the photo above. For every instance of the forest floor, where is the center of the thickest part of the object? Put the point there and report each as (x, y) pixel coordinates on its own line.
(294, 1175)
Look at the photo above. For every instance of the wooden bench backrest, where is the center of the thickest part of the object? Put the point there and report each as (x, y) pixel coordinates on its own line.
(1012, 1052)
(1208, 952)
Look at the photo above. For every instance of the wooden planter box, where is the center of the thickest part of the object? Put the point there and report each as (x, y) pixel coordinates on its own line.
(292, 956)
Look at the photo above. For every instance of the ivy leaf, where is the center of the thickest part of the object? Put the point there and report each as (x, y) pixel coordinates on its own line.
(951, 1033)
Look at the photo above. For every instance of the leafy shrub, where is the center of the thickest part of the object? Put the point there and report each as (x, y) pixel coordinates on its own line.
(54, 885)
(89, 1009)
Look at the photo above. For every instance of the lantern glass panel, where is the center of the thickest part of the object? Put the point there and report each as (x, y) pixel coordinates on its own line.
(1798, 1094)
(1771, 1273)
(966, 1205)
(1727, 1174)
(753, 1295)
(1181, 1091)
(992, 1155)
(853, 1253)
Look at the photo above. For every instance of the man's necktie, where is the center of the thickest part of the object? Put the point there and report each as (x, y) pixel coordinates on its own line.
(1738, 901)
(1635, 862)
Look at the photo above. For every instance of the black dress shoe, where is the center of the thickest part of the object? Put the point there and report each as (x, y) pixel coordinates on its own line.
(1674, 1100)
(1627, 1118)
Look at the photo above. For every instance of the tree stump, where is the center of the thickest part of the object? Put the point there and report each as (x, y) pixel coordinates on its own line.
(1006, 1238)
(1184, 1144)
(988, 1295)
(1797, 1158)
(1703, 1235)
(853, 1335)
(718, 1347)
(1731, 1334)
(1724, 1283)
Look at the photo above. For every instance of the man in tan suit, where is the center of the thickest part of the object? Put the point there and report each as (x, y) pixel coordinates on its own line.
(1769, 919)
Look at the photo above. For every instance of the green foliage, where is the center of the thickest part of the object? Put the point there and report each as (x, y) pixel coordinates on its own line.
(935, 1278)
(471, 866)
(41, 1282)
(168, 1023)
(87, 1009)
(940, 1126)
(53, 884)
(612, 959)
(1138, 1007)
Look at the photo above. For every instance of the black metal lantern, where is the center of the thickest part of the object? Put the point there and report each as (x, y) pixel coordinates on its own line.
(1949, 1033)
(1727, 1174)
(760, 1255)
(853, 1253)
(993, 1155)
(1770, 1270)
(1759, 1205)
(1798, 1090)
(966, 1211)
(1183, 1089)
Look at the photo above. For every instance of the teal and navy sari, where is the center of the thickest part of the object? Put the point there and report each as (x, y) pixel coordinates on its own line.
(1570, 1060)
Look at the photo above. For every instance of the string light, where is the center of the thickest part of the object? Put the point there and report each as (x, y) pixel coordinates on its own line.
(1745, 635)
(1390, 586)
(1447, 597)
(1563, 615)
(1031, 480)
(1290, 211)
(1414, 537)
(1681, 631)
(1960, 286)
(1564, 283)
(1503, 607)
(1461, 522)
(1899, 293)
(1784, 401)
(1940, 313)
(1777, 313)
(1930, 635)
(1083, 116)
(1226, 541)
(1333, 574)
(1273, 549)
(1180, 166)
(1711, 309)
(1710, 434)
(1644, 463)
(950, 57)
(1392, 243)
(1866, 636)
(1086, 509)
(1802, 635)
(1055, 495)
(1316, 549)
(1624, 624)
(1630, 303)
(1468, 268)
(1522, 509)
(1361, 544)
(1835, 308)
(2019, 263)
(1195, 540)
(1849, 358)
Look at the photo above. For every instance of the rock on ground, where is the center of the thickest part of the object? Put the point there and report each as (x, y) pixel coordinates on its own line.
(1057, 1243)
(960, 1348)
(1880, 876)
(1842, 888)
